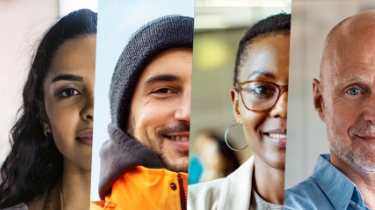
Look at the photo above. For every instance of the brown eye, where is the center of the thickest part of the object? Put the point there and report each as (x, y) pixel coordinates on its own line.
(163, 91)
(262, 90)
(68, 92)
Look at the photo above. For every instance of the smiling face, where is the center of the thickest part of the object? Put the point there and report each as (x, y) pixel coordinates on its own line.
(267, 60)
(69, 99)
(345, 97)
(160, 108)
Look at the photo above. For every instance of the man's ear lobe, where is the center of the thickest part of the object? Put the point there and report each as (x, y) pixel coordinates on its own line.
(235, 103)
(318, 99)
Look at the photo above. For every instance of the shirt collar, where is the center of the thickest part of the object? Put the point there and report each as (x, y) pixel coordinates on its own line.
(337, 187)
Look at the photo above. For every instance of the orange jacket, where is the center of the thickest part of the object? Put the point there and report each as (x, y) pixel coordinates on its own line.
(132, 177)
(144, 188)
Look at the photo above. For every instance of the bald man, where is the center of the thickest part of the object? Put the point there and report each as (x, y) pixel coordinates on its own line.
(344, 99)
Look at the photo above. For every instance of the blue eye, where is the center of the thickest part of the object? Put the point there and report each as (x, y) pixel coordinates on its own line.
(68, 92)
(353, 91)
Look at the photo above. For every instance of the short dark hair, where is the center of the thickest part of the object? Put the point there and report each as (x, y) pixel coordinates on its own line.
(271, 25)
(34, 164)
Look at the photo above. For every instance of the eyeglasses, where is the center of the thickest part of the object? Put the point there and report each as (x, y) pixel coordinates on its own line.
(258, 95)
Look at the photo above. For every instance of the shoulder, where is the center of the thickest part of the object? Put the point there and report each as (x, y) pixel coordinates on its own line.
(205, 194)
(306, 195)
(20, 206)
(35, 204)
(298, 197)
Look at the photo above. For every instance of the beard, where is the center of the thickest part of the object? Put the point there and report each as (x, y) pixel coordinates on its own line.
(357, 154)
(156, 145)
(160, 135)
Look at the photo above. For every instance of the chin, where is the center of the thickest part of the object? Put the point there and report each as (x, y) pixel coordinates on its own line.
(278, 164)
(181, 165)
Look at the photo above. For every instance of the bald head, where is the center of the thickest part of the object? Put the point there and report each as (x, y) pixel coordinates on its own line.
(352, 38)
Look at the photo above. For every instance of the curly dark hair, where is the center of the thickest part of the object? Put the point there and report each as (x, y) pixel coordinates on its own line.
(271, 25)
(34, 164)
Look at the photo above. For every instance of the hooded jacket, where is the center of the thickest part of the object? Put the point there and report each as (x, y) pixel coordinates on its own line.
(133, 177)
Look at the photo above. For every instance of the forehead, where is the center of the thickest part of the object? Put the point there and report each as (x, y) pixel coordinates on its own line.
(269, 54)
(75, 55)
(352, 53)
(177, 62)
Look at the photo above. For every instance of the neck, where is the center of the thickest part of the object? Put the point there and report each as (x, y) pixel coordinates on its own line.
(268, 182)
(364, 181)
(75, 186)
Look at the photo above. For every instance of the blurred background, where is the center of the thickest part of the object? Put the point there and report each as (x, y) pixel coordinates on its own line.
(23, 22)
(219, 26)
(306, 135)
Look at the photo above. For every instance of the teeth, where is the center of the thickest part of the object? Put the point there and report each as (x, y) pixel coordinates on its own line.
(184, 138)
(179, 138)
(277, 136)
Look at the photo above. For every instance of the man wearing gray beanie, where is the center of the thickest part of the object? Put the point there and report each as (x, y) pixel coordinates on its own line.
(144, 164)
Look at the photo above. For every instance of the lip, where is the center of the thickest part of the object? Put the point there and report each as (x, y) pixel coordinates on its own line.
(370, 139)
(276, 137)
(180, 141)
(85, 137)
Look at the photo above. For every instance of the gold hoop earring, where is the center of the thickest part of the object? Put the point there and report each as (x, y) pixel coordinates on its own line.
(226, 140)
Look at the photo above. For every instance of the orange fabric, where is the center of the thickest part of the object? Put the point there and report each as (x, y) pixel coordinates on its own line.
(144, 188)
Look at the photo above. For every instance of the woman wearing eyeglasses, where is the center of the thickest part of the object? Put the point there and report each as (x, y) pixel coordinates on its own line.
(259, 98)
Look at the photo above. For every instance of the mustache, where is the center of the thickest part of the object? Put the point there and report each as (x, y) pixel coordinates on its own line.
(179, 128)
(362, 129)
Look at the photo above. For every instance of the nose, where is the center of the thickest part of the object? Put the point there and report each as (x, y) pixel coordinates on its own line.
(183, 111)
(87, 112)
(369, 109)
(280, 109)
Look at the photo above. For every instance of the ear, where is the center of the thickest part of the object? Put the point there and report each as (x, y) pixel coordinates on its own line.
(235, 103)
(46, 126)
(318, 99)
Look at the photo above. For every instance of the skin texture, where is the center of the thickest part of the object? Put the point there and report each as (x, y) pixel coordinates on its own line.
(160, 109)
(69, 105)
(267, 59)
(345, 100)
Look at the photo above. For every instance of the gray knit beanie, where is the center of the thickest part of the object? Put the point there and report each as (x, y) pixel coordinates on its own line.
(150, 40)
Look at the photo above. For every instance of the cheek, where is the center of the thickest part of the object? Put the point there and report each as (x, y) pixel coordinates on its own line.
(62, 122)
(343, 113)
(149, 119)
(251, 123)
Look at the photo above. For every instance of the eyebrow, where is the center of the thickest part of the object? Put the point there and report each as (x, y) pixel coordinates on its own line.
(70, 77)
(162, 78)
(352, 78)
(262, 72)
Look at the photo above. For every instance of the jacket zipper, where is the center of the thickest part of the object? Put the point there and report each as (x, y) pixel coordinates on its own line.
(182, 192)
